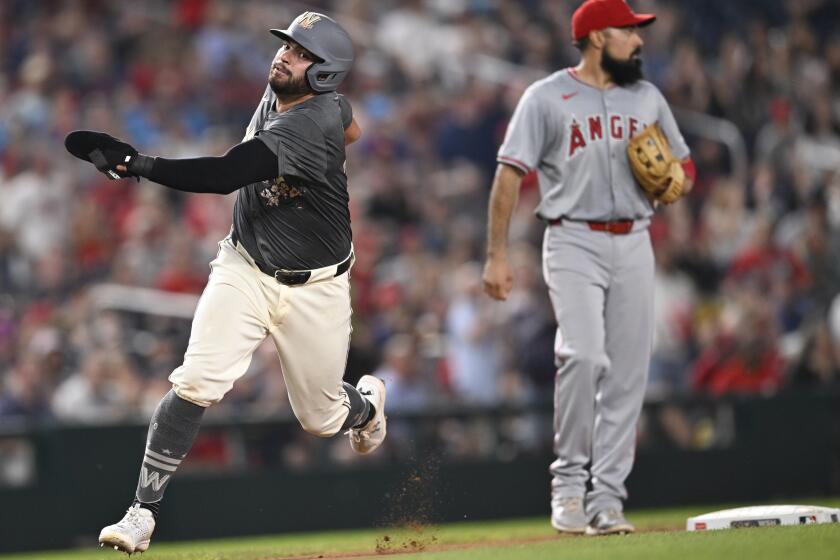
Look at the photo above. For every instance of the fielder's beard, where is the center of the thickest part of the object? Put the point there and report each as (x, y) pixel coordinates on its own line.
(622, 72)
(288, 86)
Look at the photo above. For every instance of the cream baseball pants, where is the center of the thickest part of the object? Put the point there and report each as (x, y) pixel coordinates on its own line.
(309, 324)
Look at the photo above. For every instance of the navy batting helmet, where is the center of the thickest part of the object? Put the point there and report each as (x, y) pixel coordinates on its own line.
(325, 38)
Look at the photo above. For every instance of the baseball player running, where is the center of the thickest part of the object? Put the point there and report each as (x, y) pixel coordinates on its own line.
(282, 272)
(575, 128)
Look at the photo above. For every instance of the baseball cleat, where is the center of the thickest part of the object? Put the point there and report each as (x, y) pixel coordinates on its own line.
(130, 534)
(367, 438)
(567, 515)
(609, 522)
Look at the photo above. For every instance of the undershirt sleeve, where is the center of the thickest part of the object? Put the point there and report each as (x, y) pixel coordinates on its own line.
(245, 163)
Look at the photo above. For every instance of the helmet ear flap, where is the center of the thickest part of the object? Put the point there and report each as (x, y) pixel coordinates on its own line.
(325, 76)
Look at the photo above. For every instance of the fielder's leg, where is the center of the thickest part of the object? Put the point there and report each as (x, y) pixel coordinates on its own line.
(629, 321)
(577, 288)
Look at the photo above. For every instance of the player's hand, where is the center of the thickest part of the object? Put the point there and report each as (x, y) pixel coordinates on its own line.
(497, 277)
(107, 153)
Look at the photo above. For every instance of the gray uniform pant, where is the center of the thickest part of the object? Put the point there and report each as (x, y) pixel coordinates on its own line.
(601, 287)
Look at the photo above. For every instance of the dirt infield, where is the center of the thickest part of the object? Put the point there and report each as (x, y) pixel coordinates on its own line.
(408, 527)
(415, 546)
(424, 540)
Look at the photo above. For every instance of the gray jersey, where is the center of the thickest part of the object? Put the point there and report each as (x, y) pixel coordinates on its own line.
(301, 219)
(575, 136)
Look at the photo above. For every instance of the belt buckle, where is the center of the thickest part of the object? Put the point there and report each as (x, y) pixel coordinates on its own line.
(291, 277)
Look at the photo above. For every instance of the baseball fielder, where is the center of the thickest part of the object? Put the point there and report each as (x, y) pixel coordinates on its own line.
(283, 271)
(598, 191)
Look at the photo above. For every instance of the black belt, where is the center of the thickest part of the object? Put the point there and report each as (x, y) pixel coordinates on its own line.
(295, 277)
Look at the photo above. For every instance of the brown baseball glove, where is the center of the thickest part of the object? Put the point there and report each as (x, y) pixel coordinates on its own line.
(657, 170)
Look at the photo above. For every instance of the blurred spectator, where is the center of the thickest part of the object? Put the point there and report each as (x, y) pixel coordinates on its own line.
(819, 365)
(675, 298)
(34, 206)
(408, 389)
(528, 320)
(473, 347)
(25, 392)
(773, 271)
(744, 357)
(103, 391)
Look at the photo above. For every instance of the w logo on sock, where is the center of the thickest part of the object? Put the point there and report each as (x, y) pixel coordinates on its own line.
(152, 478)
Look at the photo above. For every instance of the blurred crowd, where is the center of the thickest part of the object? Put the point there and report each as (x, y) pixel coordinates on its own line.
(748, 267)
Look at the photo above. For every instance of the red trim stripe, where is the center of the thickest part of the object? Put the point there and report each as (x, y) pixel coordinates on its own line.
(514, 162)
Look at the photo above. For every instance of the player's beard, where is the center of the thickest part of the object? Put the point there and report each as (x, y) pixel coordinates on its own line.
(622, 72)
(289, 86)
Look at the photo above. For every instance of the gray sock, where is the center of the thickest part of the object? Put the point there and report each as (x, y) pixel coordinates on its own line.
(360, 408)
(172, 430)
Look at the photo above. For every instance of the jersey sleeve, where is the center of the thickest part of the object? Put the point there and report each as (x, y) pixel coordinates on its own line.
(669, 126)
(299, 145)
(526, 134)
(259, 114)
(346, 110)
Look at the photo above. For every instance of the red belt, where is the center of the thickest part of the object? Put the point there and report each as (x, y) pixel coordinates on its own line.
(617, 227)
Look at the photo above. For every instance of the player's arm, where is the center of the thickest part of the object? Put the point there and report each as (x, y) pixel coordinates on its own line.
(245, 163)
(352, 132)
(526, 139)
(678, 145)
(498, 277)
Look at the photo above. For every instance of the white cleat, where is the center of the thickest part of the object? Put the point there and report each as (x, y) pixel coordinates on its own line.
(567, 515)
(130, 534)
(367, 438)
(610, 522)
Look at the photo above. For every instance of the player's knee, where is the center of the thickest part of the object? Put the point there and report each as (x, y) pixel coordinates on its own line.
(195, 395)
(195, 389)
(318, 425)
(591, 360)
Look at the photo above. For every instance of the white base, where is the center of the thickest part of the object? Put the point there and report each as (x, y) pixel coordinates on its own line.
(762, 516)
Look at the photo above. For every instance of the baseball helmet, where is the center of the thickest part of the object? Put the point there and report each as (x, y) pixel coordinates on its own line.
(325, 38)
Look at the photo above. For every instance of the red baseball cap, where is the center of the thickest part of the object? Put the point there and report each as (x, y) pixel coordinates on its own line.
(593, 15)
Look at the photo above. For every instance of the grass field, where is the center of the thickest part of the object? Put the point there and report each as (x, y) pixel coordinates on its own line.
(661, 536)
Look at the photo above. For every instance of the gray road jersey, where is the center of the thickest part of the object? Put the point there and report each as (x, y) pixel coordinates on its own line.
(575, 136)
(301, 219)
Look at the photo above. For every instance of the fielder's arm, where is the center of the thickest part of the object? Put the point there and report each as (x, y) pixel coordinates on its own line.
(498, 277)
